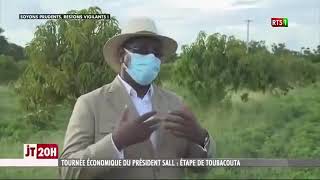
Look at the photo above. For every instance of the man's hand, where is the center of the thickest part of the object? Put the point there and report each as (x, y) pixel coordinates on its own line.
(132, 131)
(183, 123)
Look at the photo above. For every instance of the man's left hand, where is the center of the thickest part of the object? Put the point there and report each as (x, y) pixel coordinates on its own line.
(183, 123)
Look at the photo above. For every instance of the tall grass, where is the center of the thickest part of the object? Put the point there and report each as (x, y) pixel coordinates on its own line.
(264, 127)
(12, 146)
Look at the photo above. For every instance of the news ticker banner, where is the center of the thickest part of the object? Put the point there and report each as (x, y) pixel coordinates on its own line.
(46, 155)
(218, 162)
(64, 16)
(275, 21)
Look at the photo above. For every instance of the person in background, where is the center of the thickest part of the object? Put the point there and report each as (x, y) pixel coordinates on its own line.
(132, 118)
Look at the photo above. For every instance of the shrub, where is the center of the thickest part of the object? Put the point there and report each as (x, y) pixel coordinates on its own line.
(9, 69)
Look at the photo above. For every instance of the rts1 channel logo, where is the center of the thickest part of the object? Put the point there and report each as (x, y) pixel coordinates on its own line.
(40, 151)
(279, 22)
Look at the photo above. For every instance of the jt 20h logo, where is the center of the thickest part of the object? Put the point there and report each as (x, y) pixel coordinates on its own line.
(40, 151)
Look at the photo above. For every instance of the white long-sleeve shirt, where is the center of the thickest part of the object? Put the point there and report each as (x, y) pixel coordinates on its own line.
(142, 106)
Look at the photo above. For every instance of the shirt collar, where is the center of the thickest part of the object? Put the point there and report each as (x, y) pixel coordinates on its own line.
(133, 92)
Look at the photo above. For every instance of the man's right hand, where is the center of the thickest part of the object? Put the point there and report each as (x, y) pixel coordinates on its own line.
(132, 131)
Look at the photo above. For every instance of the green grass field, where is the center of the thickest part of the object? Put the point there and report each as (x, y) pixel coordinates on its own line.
(266, 126)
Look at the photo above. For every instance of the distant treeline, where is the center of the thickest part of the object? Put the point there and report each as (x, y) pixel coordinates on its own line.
(12, 60)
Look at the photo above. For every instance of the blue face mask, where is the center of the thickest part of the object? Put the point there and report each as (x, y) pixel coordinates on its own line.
(143, 68)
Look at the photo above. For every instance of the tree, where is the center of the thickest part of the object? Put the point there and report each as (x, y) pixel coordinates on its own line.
(66, 60)
(214, 66)
(3, 42)
(16, 51)
(10, 49)
(312, 55)
(279, 48)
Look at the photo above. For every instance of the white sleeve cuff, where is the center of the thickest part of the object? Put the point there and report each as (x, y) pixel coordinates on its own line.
(205, 148)
(119, 154)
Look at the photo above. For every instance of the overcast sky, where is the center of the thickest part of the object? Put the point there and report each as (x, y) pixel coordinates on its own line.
(183, 19)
